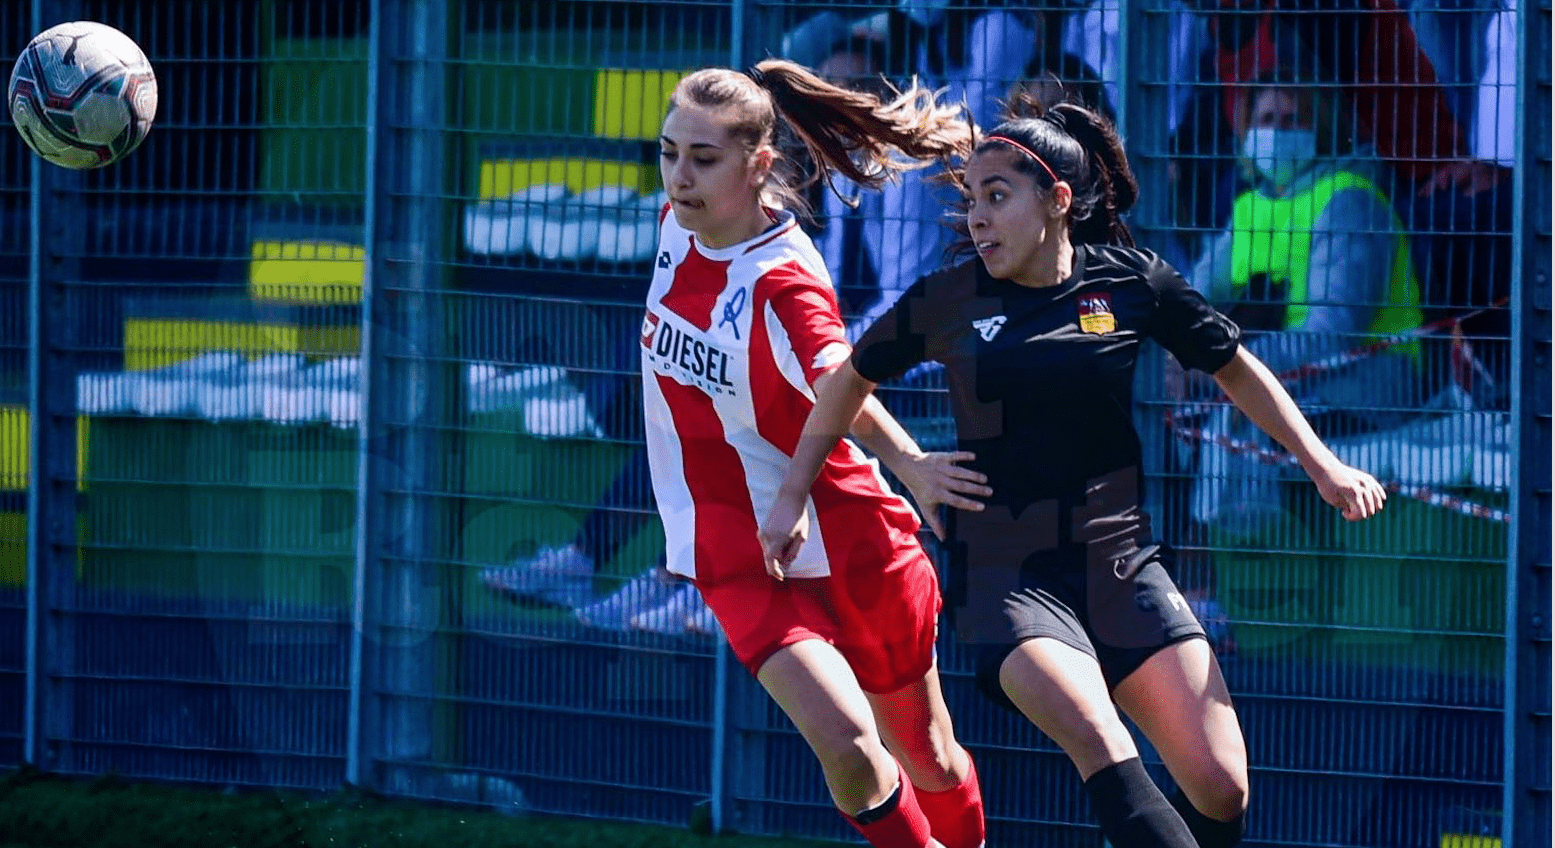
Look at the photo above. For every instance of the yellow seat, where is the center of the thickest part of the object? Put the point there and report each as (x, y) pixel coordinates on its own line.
(151, 342)
(1469, 840)
(505, 177)
(13, 549)
(630, 102)
(321, 272)
(15, 447)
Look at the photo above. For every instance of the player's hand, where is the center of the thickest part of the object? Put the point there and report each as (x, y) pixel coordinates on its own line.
(935, 478)
(783, 532)
(1356, 494)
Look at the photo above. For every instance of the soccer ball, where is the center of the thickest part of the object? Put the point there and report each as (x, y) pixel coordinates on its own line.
(82, 95)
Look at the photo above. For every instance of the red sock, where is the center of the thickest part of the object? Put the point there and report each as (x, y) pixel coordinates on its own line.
(896, 823)
(956, 814)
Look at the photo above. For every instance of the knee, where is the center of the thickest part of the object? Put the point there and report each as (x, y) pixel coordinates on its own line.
(936, 765)
(1217, 788)
(855, 763)
(1092, 734)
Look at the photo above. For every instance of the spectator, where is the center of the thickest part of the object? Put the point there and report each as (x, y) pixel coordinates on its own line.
(1093, 32)
(1400, 107)
(977, 53)
(563, 575)
(1463, 215)
(1313, 262)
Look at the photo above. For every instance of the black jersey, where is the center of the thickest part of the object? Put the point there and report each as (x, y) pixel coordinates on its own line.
(1041, 379)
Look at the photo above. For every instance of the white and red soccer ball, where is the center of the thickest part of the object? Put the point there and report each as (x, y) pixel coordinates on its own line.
(82, 95)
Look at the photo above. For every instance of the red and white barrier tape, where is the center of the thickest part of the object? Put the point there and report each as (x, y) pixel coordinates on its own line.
(1348, 357)
(1423, 494)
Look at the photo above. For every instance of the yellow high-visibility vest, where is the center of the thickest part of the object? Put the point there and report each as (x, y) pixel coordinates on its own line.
(1273, 236)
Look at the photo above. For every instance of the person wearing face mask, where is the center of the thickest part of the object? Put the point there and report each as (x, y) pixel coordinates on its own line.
(1315, 257)
(1314, 262)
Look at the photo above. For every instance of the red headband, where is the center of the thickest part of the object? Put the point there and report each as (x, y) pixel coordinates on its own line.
(1026, 150)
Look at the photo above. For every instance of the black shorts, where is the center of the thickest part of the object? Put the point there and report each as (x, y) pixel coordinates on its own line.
(1115, 602)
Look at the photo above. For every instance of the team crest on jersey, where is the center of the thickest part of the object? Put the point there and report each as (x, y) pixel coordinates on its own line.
(1096, 314)
(988, 327)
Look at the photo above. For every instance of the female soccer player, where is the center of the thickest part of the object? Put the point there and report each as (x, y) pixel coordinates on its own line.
(1055, 578)
(741, 325)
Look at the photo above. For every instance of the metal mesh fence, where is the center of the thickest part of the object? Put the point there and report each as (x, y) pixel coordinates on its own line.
(15, 236)
(205, 609)
(1389, 633)
(359, 490)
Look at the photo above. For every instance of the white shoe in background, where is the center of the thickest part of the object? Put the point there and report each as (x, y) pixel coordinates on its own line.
(684, 613)
(630, 233)
(499, 226)
(563, 576)
(669, 618)
(646, 591)
(701, 620)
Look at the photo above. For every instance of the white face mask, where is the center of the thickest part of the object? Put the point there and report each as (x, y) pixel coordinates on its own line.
(1280, 154)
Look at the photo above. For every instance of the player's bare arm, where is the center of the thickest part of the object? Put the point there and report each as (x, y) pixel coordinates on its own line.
(1256, 391)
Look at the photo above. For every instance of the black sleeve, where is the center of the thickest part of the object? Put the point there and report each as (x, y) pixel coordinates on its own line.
(897, 340)
(1184, 322)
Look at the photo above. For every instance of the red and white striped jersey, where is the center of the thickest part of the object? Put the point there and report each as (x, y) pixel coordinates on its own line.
(731, 340)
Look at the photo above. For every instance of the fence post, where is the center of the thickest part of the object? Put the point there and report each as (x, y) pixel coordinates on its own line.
(1143, 117)
(749, 22)
(720, 812)
(362, 719)
(1525, 810)
(53, 260)
(404, 589)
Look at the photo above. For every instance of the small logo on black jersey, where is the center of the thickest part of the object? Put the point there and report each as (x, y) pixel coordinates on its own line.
(664, 259)
(1096, 313)
(988, 327)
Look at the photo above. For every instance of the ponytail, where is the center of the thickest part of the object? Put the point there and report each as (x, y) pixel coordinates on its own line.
(1117, 189)
(1067, 142)
(856, 133)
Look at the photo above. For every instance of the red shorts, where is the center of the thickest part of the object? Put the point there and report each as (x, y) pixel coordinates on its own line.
(881, 621)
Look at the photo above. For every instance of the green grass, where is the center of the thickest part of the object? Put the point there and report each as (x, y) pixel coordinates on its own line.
(40, 811)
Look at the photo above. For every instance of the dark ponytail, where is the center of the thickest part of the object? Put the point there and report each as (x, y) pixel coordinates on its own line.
(1072, 143)
(1117, 188)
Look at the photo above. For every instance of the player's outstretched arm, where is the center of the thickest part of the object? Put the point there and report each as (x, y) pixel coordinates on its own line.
(933, 478)
(839, 396)
(842, 395)
(1256, 391)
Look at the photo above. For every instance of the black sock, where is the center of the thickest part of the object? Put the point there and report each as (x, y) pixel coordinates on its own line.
(1132, 811)
(882, 809)
(1210, 833)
